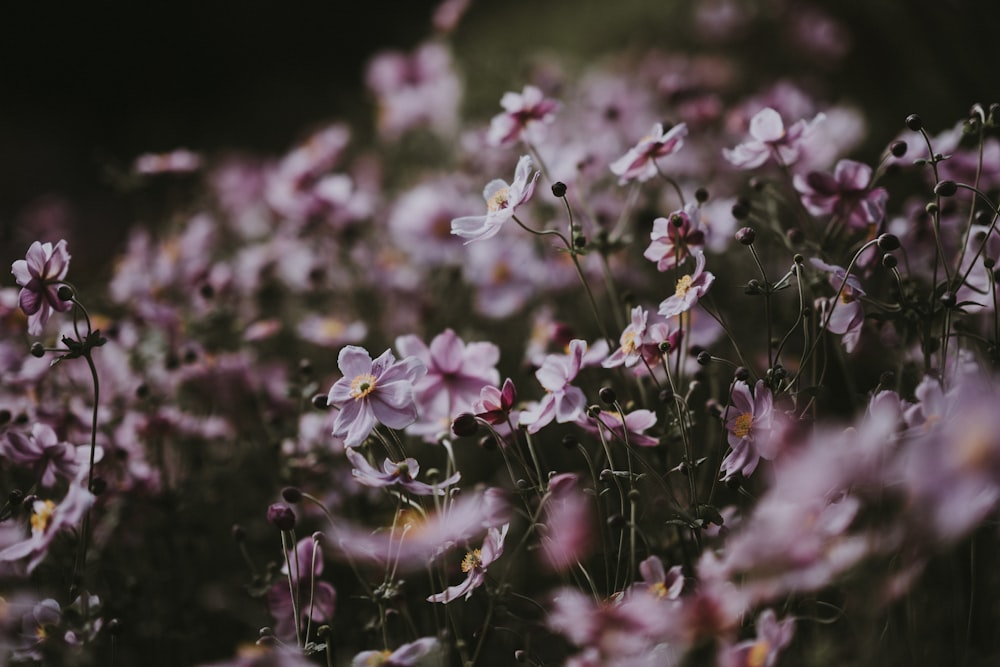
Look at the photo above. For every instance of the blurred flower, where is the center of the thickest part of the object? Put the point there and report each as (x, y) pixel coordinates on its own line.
(562, 401)
(424, 651)
(842, 315)
(567, 528)
(42, 451)
(401, 474)
(772, 636)
(315, 600)
(675, 238)
(769, 138)
(639, 162)
(47, 520)
(847, 194)
(748, 422)
(629, 427)
(690, 288)
(475, 565)
(180, 161)
(372, 390)
(660, 583)
(501, 202)
(330, 331)
(40, 275)
(524, 117)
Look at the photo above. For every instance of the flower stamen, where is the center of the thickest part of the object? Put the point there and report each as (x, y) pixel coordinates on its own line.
(744, 423)
(362, 385)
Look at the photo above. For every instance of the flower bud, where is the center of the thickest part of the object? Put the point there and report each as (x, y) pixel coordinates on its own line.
(320, 401)
(65, 292)
(608, 395)
(742, 374)
(888, 242)
(465, 425)
(746, 235)
(559, 189)
(291, 495)
(914, 122)
(281, 516)
(704, 358)
(701, 195)
(889, 261)
(945, 189)
(898, 148)
(37, 350)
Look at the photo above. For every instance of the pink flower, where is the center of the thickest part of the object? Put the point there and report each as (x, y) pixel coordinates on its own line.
(772, 636)
(379, 390)
(475, 564)
(660, 583)
(407, 655)
(501, 202)
(307, 565)
(44, 452)
(843, 315)
(748, 421)
(40, 274)
(400, 474)
(494, 405)
(567, 530)
(675, 238)
(639, 162)
(845, 194)
(690, 288)
(771, 139)
(562, 402)
(47, 520)
(631, 341)
(634, 423)
(524, 116)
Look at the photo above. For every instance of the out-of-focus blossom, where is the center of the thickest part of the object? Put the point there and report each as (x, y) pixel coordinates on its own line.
(502, 200)
(316, 599)
(180, 161)
(414, 90)
(420, 221)
(426, 651)
(42, 451)
(847, 195)
(748, 423)
(330, 331)
(47, 520)
(39, 626)
(567, 528)
(525, 116)
(769, 139)
(475, 564)
(562, 401)
(690, 288)
(675, 238)
(40, 274)
(629, 427)
(379, 390)
(402, 475)
(658, 582)
(763, 651)
(843, 315)
(639, 162)
(456, 373)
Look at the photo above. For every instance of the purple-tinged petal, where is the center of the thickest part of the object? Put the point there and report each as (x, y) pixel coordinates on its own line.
(767, 126)
(354, 361)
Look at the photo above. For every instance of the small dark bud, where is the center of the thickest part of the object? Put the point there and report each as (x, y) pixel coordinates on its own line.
(889, 261)
(608, 395)
(701, 195)
(206, 291)
(580, 241)
(948, 299)
(114, 626)
(5, 416)
(239, 535)
(98, 485)
(914, 122)
(897, 148)
(520, 655)
(29, 500)
(65, 292)
(740, 211)
(142, 391)
(606, 476)
(559, 189)
(522, 484)
(742, 374)
(633, 494)
(569, 441)
(319, 401)
(989, 262)
(945, 189)
(746, 235)
(704, 358)
(593, 411)
(281, 516)
(323, 631)
(794, 236)
(15, 497)
(617, 521)
(888, 242)
(664, 347)
(665, 396)
(37, 350)
(931, 208)
(291, 495)
(190, 356)
(677, 221)
(465, 425)
(799, 259)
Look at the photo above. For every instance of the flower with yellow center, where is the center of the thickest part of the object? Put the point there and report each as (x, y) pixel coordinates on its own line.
(757, 656)
(362, 385)
(743, 426)
(629, 345)
(683, 285)
(472, 560)
(499, 200)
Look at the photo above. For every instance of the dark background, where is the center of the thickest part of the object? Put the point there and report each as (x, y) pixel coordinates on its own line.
(87, 87)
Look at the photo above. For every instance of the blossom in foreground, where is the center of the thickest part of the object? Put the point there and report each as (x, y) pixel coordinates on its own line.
(567, 529)
(639, 162)
(631, 341)
(407, 655)
(658, 582)
(690, 288)
(474, 565)
(844, 314)
(769, 138)
(846, 194)
(40, 275)
(502, 199)
(675, 238)
(562, 401)
(748, 422)
(400, 474)
(47, 520)
(525, 115)
(379, 390)
(316, 598)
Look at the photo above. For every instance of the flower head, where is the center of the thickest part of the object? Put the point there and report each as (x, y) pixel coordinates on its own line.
(40, 274)
(494, 405)
(769, 138)
(690, 288)
(47, 520)
(402, 474)
(474, 564)
(525, 115)
(502, 199)
(675, 238)
(317, 598)
(846, 194)
(379, 390)
(562, 401)
(631, 341)
(748, 421)
(639, 162)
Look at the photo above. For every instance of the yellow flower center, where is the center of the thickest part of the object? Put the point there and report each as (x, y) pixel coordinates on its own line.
(628, 342)
(42, 516)
(499, 200)
(331, 327)
(376, 659)
(501, 273)
(758, 654)
(743, 425)
(683, 285)
(659, 589)
(472, 560)
(362, 385)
